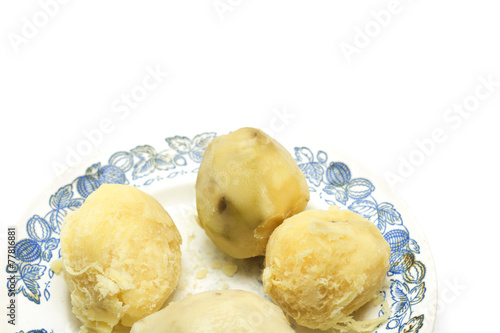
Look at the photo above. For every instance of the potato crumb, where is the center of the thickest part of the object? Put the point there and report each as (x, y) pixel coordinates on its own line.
(201, 274)
(216, 264)
(56, 266)
(225, 286)
(230, 269)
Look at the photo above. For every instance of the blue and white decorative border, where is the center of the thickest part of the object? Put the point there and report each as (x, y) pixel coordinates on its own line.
(335, 185)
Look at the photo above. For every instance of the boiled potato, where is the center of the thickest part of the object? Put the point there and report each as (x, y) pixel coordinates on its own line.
(225, 311)
(247, 185)
(121, 257)
(321, 266)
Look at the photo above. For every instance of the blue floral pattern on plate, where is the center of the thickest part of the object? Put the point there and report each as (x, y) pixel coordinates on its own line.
(144, 165)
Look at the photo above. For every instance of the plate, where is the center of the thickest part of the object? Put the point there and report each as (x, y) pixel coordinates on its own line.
(167, 170)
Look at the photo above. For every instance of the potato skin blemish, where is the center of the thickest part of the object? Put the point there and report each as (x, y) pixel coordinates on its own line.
(221, 207)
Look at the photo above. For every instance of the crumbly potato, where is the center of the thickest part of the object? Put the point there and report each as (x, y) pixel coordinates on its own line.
(321, 266)
(121, 257)
(247, 185)
(224, 311)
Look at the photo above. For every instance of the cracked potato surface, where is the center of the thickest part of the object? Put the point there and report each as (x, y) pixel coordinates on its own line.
(121, 257)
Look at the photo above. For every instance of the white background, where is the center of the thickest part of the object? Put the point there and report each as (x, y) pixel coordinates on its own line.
(259, 59)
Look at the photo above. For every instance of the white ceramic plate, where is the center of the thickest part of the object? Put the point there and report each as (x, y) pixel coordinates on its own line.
(167, 170)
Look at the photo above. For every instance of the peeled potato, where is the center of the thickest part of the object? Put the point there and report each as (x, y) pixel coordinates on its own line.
(121, 257)
(247, 185)
(321, 266)
(225, 311)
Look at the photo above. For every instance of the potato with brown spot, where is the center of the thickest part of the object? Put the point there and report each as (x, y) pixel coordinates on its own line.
(247, 185)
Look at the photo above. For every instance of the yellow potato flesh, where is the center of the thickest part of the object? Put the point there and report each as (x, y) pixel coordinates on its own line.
(225, 311)
(247, 185)
(323, 265)
(121, 257)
